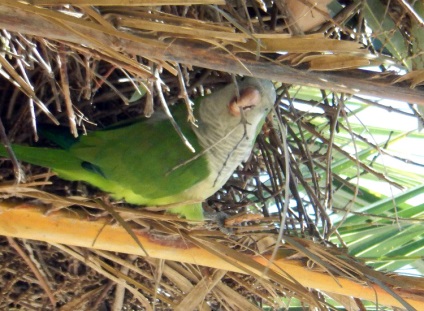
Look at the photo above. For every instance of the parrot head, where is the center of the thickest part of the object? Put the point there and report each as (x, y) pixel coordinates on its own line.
(228, 123)
(247, 102)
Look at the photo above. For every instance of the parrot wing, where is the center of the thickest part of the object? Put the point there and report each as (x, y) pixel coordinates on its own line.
(142, 157)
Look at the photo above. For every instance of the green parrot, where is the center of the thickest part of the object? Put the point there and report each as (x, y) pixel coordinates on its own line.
(146, 163)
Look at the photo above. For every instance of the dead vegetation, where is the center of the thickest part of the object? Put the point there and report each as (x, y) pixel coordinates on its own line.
(90, 64)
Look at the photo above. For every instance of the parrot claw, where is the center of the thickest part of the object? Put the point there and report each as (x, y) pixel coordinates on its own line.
(219, 218)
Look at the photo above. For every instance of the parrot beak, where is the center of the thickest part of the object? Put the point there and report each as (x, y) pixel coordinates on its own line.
(249, 98)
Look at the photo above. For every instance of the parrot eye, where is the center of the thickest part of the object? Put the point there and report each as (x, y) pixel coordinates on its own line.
(249, 98)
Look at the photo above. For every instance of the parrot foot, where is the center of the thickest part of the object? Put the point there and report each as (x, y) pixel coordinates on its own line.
(219, 218)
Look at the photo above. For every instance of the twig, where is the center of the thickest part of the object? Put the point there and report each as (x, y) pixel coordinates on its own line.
(17, 170)
(168, 113)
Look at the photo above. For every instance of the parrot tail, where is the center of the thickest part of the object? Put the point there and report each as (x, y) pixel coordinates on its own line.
(56, 159)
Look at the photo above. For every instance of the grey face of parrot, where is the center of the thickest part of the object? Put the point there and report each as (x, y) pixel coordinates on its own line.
(228, 125)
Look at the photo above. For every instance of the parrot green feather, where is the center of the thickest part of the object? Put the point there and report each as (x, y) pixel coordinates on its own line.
(146, 163)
